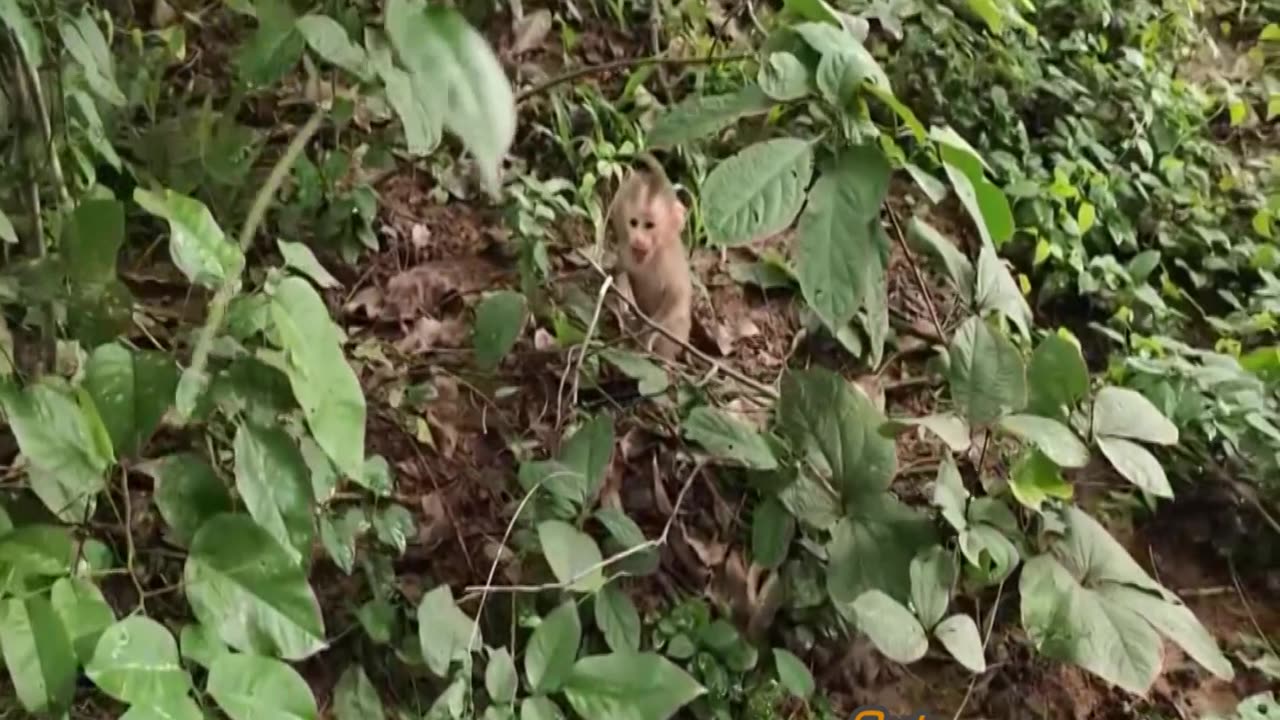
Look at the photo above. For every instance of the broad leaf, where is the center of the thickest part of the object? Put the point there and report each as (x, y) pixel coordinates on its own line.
(1176, 622)
(950, 495)
(539, 708)
(1057, 377)
(456, 62)
(572, 554)
(355, 697)
(174, 708)
(838, 238)
(944, 252)
(832, 41)
(300, 258)
(272, 479)
(196, 243)
(652, 377)
(1121, 412)
(246, 585)
(91, 242)
(84, 41)
(274, 48)
(757, 192)
(84, 613)
(499, 320)
(1053, 438)
(959, 635)
(1136, 464)
(1035, 478)
(589, 451)
(728, 438)
(617, 619)
(422, 119)
(38, 654)
(636, 686)
(873, 548)
(35, 550)
(339, 534)
(891, 626)
(552, 648)
(444, 631)
(986, 203)
(624, 534)
(500, 678)
(201, 645)
(698, 115)
(996, 290)
(793, 674)
(987, 376)
(187, 493)
(324, 384)
(249, 687)
(329, 40)
(132, 391)
(949, 428)
(772, 529)
(933, 573)
(30, 40)
(784, 77)
(136, 662)
(394, 525)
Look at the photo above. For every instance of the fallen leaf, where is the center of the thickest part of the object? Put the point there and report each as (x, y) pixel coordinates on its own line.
(429, 333)
(530, 31)
(368, 299)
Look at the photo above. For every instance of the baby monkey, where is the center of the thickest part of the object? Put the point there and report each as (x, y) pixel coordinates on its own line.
(647, 220)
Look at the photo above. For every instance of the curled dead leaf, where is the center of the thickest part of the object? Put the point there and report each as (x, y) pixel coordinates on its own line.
(429, 333)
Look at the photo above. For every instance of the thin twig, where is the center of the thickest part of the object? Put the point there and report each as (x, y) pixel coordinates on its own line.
(582, 352)
(497, 557)
(915, 271)
(1248, 608)
(624, 64)
(716, 364)
(611, 560)
(991, 624)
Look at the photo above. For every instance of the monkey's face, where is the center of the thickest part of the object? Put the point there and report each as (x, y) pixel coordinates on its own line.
(651, 222)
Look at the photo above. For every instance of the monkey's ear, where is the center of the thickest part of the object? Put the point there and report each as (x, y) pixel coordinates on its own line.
(678, 212)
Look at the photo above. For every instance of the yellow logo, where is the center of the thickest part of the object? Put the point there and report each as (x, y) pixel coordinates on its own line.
(875, 712)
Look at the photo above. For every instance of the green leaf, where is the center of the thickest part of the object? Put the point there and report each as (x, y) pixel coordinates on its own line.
(985, 202)
(174, 708)
(30, 40)
(394, 526)
(355, 698)
(589, 452)
(793, 674)
(421, 118)
(300, 258)
(933, 189)
(552, 649)
(501, 679)
(838, 238)
(376, 476)
(572, 555)
(784, 77)
(274, 48)
(249, 687)
(1089, 551)
(933, 573)
(136, 662)
(653, 378)
(539, 708)
(338, 535)
(892, 628)
(444, 631)
(989, 551)
(987, 376)
(959, 635)
(1086, 216)
(324, 384)
(91, 242)
(7, 233)
(757, 192)
(132, 392)
(246, 585)
(1175, 621)
(60, 439)
(562, 481)
(499, 319)
(1057, 377)
(1066, 621)
(378, 618)
(698, 115)
(201, 645)
(84, 613)
(84, 41)
(728, 438)
(636, 686)
(827, 418)
(1035, 478)
(949, 428)
(772, 529)
(1136, 464)
(837, 42)
(272, 479)
(872, 549)
(456, 62)
(950, 495)
(997, 291)
(624, 534)
(617, 619)
(945, 253)
(329, 40)
(1052, 438)
(187, 493)
(196, 243)
(38, 654)
(1124, 413)
(35, 550)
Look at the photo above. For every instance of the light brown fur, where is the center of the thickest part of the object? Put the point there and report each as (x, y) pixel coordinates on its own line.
(647, 219)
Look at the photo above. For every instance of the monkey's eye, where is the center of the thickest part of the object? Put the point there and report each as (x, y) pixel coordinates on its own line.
(648, 224)
(635, 222)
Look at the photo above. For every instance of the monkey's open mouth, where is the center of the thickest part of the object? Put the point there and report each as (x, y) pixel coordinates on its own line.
(639, 253)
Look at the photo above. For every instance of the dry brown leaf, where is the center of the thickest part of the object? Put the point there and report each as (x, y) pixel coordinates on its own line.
(530, 31)
(434, 526)
(368, 299)
(429, 333)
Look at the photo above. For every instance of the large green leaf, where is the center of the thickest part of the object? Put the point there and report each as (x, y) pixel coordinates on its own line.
(573, 556)
(463, 74)
(38, 654)
(1057, 377)
(945, 253)
(872, 549)
(793, 674)
(757, 192)
(1035, 478)
(772, 530)
(339, 532)
(988, 378)
(1053, 438)
(322, 381)
(63, 440)
(30, 41)
(838, 238)
(272, 479)
(629, 686)
(136, 662)
(959, 635)
(330, 41)
(84, 613)
(552, 648)
(187, 493)
(91, 242)
(839, 427)
(588, 452)
(84, 41)
(499, 319)
(986, 203)
(784, 77)
(35, 550)
(1121, 412)
(250, 687)
(728, 438)
(246, 585)
(444, 632)
(891, 626)
(355, 697)
(617, 619)
(1136, 464)
(421, 118)
(178, 708)
(996, 290)
(197, 244)
(933, 572)
(1175, 621)
(838, 42)
(274, 48)
(698, 115)
(132, 391)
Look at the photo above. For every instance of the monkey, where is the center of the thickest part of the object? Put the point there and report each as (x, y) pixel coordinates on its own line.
(647, 220)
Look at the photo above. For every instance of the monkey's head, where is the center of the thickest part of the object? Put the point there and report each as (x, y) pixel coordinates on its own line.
(647, 214)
